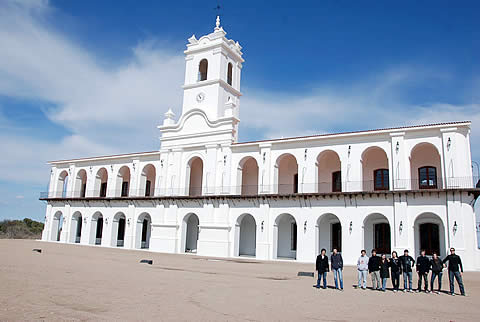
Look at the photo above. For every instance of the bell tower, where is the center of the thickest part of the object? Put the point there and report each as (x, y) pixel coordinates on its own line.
(213, 66)
(212, 74)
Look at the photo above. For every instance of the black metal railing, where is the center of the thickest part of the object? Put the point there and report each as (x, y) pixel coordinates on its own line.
(280, 189)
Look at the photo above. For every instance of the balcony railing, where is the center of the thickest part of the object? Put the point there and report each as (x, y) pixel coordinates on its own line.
(280, 189)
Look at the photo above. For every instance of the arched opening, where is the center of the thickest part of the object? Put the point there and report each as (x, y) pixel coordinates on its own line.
(96, 229)
(376, 234)
(81, 184)
(203, 70)
(329, 172)
(195, 176)
(329, 233)
(123, 182)
(246, 235)
(118, 230)
(287, 174)
(229, 74)
(375, 171)
(76, 228)
(62, 184)
(143, 231)
(147, 181)
(101, 180)
(248, 176)
(425, 167)
(429, 233)
(191, 223)
(285, 232)
(57, 226)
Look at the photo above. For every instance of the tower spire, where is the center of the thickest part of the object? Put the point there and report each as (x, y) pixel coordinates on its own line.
(217, 24)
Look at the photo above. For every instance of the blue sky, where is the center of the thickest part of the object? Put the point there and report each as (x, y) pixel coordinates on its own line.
(84, 78)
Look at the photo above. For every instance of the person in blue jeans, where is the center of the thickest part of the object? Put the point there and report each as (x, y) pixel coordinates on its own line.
(336, 262)
(322, 268)
(384, 271)
(362, 268)
(455, 271)
(437, 271)
(407, 262)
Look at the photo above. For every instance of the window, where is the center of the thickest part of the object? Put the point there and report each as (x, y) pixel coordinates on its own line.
(124, 189)
(82, 191)
(229, 74)
(427, 178)
(147, 188)
(380, 178)
(295, 183)
(293, 245)
(203, 70)
(103, 190)
(337, 181)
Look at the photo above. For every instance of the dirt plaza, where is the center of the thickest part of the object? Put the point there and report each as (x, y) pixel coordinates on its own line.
(72, 282)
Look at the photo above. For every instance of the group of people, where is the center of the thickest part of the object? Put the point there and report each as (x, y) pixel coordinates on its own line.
(382, 268)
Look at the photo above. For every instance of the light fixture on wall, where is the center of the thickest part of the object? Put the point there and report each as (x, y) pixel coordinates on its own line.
(400, 228)
(264, 156)
(455, 227)
(128, 221)
(85, 220)
(397, 147)
(349, 149)
(351, 227)
(305, 156)
(305, 226)
(106, 221)
(261, 225)
(449, 143)
(161, 163)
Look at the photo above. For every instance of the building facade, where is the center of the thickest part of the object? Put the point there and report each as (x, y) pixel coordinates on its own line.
(203, 192)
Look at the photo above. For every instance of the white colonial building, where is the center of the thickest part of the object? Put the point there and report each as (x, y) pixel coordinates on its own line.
(205, 193)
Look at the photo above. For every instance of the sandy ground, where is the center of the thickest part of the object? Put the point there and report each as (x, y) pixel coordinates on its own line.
(72, 282)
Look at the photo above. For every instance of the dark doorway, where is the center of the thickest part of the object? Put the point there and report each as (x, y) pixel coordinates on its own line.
(121, 232)
(336, 236)
(144, 233)
(98, 235)
(78, 235)
(293, 245)
(430, 238)
(382, 238)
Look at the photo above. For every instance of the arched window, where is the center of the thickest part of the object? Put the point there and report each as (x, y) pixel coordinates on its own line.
(229, 74)
(427, 177)
(380, 179)
(203, 70)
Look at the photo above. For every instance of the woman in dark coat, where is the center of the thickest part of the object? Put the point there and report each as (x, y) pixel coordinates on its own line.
(384, 271)
(396, 270)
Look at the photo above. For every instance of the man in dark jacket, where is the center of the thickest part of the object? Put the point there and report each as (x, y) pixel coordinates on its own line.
(322, 268)
(336, 261)
(407, 262)
(437, 268)
(423, 267)
(374, 270)
(454, 263)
